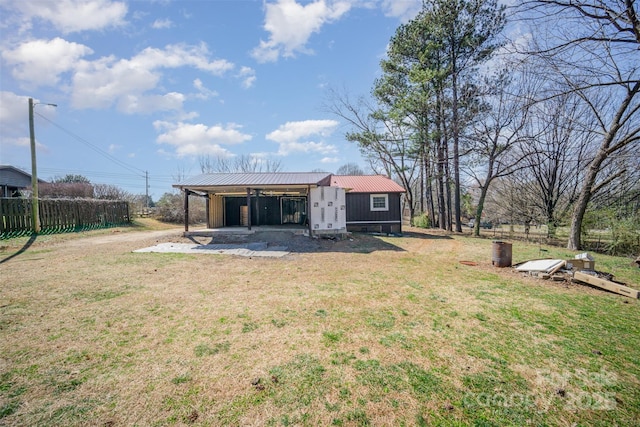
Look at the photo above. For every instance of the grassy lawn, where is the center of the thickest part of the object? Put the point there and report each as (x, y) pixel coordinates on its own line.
(379, 331)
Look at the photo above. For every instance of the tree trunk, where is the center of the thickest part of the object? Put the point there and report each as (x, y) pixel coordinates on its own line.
(575, 232)
(441, 205)
(441, 162)
(447, 172)
(479, 209)
(429, 176)
(456, 144)
(422, 174)
(604, 151)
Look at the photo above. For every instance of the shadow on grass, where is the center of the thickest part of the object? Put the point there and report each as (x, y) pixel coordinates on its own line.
(26, 246)
(426, 235)
(355, 243)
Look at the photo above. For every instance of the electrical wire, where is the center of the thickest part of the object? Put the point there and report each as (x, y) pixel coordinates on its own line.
(103, 153)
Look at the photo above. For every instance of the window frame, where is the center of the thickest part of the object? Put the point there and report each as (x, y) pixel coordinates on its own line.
(383, 196)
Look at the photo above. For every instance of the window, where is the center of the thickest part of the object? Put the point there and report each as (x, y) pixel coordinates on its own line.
(379, 202)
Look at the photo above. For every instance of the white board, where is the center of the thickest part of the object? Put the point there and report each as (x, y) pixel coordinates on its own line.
(544, 265)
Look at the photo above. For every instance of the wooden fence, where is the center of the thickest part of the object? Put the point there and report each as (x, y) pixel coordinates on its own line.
(60, 215)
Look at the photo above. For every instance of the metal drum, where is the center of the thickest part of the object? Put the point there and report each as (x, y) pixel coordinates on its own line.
(501, 256)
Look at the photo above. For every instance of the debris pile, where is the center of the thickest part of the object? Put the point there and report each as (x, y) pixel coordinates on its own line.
(580, 269)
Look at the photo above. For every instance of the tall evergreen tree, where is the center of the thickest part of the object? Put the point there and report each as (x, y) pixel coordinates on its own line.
(429, 60)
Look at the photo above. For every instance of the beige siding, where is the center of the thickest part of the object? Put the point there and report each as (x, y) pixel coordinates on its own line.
(216, 211)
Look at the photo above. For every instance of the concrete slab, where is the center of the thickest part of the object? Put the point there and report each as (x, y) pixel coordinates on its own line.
(256, 249)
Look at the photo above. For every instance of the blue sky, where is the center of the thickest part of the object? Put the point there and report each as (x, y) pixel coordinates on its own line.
(152, 85)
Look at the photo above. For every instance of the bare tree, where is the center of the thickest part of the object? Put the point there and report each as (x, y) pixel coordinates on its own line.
(244, 163)
(496, 141)
(384, 142)
(350, 169)
(72, 190)
(109, 192)
(592, 47)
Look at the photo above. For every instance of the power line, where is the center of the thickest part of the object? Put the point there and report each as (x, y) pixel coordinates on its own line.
(96, 149)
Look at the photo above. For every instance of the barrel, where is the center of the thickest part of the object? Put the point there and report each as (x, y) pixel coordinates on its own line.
(501, 256)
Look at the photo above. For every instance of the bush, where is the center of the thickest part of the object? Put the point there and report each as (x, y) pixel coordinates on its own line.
(422, 221)
(625, 237)
(170, 208)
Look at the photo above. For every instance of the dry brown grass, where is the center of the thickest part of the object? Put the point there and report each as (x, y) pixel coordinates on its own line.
(368, 331)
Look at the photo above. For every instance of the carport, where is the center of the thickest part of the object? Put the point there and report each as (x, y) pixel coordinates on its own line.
(248, 199)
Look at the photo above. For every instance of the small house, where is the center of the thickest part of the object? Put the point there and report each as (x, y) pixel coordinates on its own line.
(14, 181)
(319, 201)
(373, 202)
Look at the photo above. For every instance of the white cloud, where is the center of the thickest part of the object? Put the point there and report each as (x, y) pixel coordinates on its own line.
(203, 92)
(14, 125)
(295, 136)
(161, 24)
(402, 9)
(330, 160)
(132, 104)
(197, 139)
(12, 109)
(248, 76)
(40, 62)
(103, 82)
(290, 25)
(108, 81)
(181, 55)
(71, 16)
(113, 148)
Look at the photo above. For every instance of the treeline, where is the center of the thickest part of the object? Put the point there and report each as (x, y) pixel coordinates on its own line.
(540, 129)
(73, 186)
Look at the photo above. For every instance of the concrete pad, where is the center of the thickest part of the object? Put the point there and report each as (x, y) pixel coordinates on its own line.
(257, 249)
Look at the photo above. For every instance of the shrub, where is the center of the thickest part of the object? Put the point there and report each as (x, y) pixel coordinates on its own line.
(170, 208)
(422, 221)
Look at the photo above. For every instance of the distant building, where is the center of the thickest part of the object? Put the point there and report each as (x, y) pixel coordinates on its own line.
(14, 181)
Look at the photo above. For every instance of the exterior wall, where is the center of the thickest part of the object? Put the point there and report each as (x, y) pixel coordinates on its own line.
(12, 180)
(216, 211)
(232, 210)
(360, 217)
(327, 211)
(265, 210)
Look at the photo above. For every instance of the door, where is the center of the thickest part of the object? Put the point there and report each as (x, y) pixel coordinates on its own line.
(294, 210)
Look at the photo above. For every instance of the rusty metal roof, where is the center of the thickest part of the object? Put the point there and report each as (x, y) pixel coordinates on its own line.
(259, 179)
(366, 184)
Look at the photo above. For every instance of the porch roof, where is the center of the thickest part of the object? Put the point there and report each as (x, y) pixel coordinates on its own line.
(232, 183)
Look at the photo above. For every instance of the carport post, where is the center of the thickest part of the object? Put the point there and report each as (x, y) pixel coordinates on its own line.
(186, 210)
(309, 210)
(249, 208)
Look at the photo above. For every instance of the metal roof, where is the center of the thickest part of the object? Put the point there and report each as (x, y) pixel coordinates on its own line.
(260, 179)
(366, 184)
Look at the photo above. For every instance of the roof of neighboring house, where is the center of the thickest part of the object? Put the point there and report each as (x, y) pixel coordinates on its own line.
(13, 176)
(366, 184)
(254, 180)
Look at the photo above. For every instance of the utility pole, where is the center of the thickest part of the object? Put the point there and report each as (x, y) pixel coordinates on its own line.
(35, 208)
(146, 187)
